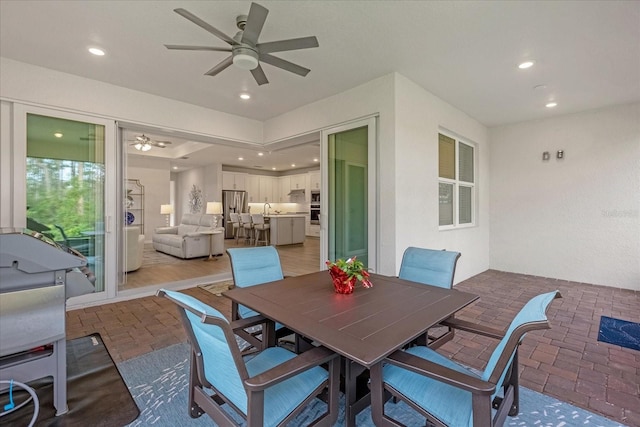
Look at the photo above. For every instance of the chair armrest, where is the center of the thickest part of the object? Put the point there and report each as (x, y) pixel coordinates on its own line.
(309, 359)
(248, 322)
(166, 230)
(441, 373)
(475, 328)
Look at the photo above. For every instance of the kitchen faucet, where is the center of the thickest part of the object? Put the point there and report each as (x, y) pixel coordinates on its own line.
(264, 209)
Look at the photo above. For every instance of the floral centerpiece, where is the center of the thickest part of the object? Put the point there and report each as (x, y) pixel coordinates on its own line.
(345, 274)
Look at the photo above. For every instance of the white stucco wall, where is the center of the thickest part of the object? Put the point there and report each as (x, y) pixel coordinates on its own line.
(577, 218)
(48, 88)
(419, 117)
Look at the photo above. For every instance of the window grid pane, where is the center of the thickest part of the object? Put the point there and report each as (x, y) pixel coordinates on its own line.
(446, 204)
(447, 157)
(465, 162)
(465, 201)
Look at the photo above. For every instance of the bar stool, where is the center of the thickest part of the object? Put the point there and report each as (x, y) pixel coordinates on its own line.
(235, 222)
(261, 229)
(247, 225)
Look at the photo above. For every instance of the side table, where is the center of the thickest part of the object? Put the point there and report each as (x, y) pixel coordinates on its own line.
(211, 233)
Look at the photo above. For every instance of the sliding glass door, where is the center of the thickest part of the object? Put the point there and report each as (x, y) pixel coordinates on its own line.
(349, 229)
(67, 176)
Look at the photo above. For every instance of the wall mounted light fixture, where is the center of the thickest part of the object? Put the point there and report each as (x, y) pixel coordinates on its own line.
(545, 155)
(560, 154)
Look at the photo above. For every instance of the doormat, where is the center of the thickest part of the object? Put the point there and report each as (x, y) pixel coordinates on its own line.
(217, 288)
(619, 332)
(96, 392)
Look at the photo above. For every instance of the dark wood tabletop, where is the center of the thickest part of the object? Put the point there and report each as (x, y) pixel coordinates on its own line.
(364, 326)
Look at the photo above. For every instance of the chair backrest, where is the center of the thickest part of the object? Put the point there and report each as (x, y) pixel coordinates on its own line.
(245, 218)
(429, 266)
(531, 317)
(234, 217)
(253, 266)
(257, 218)
(217, 353)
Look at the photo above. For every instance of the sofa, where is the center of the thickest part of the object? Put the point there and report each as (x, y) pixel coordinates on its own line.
(186, 240)
(134, 248)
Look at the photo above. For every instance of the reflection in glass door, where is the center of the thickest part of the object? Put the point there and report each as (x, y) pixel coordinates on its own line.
(65, 182)
(351, 211)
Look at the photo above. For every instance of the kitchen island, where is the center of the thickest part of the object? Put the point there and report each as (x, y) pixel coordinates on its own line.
(287, 229)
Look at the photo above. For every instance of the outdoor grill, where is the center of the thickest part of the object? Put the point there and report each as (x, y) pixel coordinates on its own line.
(37, 276)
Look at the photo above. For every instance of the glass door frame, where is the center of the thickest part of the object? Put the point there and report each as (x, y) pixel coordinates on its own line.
(372, 184)
(19, 201)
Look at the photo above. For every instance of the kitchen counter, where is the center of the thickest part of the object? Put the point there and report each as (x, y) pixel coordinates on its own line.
(287, 229)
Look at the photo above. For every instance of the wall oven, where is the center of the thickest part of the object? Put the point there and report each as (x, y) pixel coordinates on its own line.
(314, 217)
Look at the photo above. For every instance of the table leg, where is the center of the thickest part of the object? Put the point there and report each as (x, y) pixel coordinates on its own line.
(211, 249)
(357, 396)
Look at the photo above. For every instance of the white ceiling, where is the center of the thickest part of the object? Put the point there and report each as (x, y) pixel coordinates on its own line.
(587, 53)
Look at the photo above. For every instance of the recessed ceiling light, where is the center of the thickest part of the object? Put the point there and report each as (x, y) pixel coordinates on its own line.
(551, 104)
(525, 65)
(293, 165)
(245, 96)
(273, 169)
(96, 51)
(261, 154)
(315, 160)
(240, 158)
(175, 168)
(57, 135)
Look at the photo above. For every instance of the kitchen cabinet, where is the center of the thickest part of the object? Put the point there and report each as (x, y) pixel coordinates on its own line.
(284, 182)
(298, 182)
(267, 189)
(253, 188)
(234, 181)
(287, 229)
(314, 178)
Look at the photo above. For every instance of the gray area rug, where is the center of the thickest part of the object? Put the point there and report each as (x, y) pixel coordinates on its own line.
(158, 381)
(150, 257)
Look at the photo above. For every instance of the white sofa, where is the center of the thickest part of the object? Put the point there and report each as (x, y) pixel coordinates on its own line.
(186, 240)
(135, 248)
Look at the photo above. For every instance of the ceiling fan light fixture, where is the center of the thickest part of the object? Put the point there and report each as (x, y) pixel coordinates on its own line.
(142, 147)
(245, 58)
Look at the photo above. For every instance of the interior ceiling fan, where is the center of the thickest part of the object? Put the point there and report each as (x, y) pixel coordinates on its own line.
(144, 143)
(246, 52)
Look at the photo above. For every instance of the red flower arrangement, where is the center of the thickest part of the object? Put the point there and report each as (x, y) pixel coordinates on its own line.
(345, 274)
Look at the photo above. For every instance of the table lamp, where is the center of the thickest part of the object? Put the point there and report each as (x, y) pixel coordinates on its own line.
(214, 208)
(166, 210)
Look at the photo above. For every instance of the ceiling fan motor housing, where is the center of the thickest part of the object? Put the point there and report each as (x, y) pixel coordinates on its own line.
(245, 56)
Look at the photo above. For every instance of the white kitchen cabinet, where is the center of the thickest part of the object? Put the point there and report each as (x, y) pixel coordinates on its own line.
(284, 183)
(234, 181)
(266, 189)
(287, 229)
(314, 180)
(298, 182)
(253, 188)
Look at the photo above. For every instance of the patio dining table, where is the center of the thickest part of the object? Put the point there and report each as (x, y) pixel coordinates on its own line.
(364, 327)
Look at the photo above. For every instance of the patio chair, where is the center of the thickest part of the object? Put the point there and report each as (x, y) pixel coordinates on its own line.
(449, 394)
(431, 267)
(268, 389)
(253, 266)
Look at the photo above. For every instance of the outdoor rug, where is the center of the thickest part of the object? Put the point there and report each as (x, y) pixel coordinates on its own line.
(217, 288)
(96, 393)
(619, 332)
(158, 382)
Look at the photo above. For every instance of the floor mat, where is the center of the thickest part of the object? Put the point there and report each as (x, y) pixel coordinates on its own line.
(619, 332)
(217, 288)
(96, 392)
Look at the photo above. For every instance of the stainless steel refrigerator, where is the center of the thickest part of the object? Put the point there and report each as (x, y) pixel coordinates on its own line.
(232, 201)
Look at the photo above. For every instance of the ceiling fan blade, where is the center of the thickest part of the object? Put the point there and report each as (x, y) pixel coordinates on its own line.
(291, 44)
(258, 74)
(221, 66)
(199, 22)
(183, 47)
(285, 65)
(255, 22)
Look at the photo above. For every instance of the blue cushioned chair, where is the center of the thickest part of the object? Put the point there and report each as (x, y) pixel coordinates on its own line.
(431, 267)
(254, 266)
(269, 388)
(448, 394)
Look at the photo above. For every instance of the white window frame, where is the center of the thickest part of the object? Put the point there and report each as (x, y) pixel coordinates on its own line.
(457, 183)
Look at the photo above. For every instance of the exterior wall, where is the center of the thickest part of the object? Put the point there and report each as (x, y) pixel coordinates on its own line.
(420, 115)
(577, 218)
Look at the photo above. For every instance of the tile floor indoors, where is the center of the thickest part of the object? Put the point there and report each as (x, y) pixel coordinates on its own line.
(566, 362)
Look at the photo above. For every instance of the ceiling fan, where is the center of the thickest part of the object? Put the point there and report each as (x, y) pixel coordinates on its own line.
(144, 143)
(246, 52)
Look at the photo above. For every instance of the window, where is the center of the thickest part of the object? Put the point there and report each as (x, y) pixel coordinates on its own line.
(456, 181)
